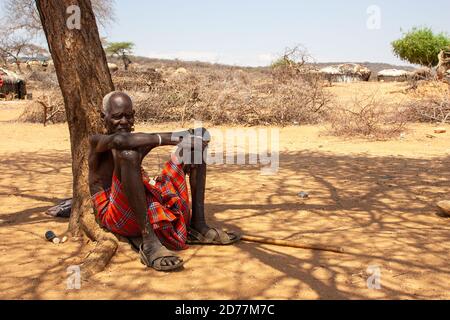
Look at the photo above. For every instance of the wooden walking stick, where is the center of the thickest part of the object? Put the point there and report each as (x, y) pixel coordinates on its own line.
(292, 244)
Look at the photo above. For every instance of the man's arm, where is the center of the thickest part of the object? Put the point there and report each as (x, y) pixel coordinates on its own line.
(131, 141)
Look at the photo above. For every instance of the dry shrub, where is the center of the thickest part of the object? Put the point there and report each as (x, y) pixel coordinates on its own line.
(287, 94)
(272, 103)
(233, 97)
(43, 79)
(216, 94)
(166, 101)
(295, 63)
(368, 118)
(431, 102)
(420, 76)
(8, 97)
(136, 81)
(48, 107)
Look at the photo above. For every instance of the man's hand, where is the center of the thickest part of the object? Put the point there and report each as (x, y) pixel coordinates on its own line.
(193, 142)
(189, 149)
(201, 132)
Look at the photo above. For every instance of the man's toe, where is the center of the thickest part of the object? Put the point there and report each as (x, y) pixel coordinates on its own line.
(164, 262)
(172, 261)
(232, 235)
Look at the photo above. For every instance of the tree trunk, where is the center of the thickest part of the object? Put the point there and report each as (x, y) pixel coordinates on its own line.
(84, 79)
(19, 69)
(126, 62)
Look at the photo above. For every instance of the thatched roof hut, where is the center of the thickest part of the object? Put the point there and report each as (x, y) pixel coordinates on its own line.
(113, 67)
(390, 75)
(349, 72)
(10, 74)
(12, 83)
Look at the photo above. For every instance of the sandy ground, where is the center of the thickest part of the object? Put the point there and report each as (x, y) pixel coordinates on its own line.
(376, 199)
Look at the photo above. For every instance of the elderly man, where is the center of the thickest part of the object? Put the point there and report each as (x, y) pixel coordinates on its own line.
(127, 202)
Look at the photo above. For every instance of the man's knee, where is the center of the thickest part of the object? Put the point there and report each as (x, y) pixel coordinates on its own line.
(203, 132)
(129, 157)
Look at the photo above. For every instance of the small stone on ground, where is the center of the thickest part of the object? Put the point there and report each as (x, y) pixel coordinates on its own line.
(444, 208)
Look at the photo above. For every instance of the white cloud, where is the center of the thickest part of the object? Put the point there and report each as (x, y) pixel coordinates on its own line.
(266, 58)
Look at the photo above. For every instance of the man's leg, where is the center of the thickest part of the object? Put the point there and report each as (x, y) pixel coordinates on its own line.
(128, 170)
(197, 181)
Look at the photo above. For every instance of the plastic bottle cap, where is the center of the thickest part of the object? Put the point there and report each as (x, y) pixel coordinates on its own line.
(50, 235)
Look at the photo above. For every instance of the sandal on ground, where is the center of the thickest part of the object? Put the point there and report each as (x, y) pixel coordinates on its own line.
(213, 237)
(154, 260)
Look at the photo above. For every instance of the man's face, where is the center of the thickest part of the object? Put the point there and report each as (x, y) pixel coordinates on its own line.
(120, 116)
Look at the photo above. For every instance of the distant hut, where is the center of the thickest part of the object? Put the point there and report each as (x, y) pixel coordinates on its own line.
(391, 75)
(112, 67)
(12, 83)
(349, 72)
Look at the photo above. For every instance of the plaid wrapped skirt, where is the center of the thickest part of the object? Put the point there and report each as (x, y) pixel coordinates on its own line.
(167, 207)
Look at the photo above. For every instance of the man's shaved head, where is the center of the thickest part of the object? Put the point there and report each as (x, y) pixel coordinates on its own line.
(115, 98)
(117, 112)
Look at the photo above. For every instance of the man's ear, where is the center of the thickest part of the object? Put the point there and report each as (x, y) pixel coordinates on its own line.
(132, 128)
(102, 115)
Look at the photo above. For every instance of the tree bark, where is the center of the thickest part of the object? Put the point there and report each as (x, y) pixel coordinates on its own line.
(84, 79)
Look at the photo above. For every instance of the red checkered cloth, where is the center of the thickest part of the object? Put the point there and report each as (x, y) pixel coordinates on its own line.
(167, 203)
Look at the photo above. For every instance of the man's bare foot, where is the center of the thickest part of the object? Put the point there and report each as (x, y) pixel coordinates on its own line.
(159, 257)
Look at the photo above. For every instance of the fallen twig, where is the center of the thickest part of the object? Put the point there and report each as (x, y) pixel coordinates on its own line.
(292, 244)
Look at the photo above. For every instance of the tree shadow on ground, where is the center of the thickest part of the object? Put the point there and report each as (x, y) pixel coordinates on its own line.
(382, 208)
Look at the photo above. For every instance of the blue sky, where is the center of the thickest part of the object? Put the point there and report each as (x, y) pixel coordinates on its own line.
(254, 33)
(250, 32)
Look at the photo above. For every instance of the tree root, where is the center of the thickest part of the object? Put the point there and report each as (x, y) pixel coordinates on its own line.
(105, 248)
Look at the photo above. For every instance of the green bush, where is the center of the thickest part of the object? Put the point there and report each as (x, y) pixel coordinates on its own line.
(421, 46)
